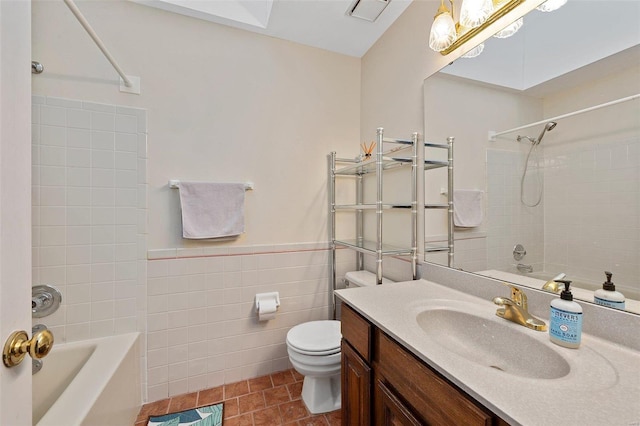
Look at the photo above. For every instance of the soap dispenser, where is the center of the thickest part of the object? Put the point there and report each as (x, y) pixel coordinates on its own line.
(608, 296)
(565, 320)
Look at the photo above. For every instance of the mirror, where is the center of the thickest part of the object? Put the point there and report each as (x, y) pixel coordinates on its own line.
(586, 169)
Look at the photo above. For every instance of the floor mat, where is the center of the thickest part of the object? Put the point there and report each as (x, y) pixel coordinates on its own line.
(203, 416)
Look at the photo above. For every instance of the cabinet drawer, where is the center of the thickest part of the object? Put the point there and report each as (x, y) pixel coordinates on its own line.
(357, 331)
(431, 396)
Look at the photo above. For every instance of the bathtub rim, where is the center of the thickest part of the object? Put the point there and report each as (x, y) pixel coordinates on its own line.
(75, 403)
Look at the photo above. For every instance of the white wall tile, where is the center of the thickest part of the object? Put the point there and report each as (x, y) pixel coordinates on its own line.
(78, 235)
(52, 176)
(78, 255)
(78, 118)
(77, 157)
(54, 116)
(102, 121)
(63, 102)
(52, 135)
(53, 156)
(77, 176)
(103, 140)
(77, 138)
(126, 123)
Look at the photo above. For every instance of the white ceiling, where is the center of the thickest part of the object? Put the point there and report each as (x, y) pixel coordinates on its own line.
(549, 45)
(556, 43)
(318, 23)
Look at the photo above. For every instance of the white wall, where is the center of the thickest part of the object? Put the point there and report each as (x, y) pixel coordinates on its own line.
(224, 105)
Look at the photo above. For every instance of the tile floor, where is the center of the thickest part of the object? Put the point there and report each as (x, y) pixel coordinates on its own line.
(268, 400)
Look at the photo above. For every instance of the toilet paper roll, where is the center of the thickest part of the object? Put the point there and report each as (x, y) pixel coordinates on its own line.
(267, 310)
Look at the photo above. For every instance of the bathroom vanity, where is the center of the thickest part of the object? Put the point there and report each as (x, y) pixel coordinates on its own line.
(418, 353)
(381, 380)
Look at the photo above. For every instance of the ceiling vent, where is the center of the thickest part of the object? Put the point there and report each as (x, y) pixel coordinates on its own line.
(369, 10)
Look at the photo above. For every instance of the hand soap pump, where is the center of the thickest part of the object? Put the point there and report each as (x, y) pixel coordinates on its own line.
(608, 296)
(565, 321)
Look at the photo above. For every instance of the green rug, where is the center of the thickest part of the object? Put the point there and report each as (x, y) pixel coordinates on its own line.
(202, 416)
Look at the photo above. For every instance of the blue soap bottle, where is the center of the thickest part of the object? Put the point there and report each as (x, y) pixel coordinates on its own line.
(565, 328)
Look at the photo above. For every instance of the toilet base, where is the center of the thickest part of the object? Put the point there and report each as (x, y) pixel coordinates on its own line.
(322, 394)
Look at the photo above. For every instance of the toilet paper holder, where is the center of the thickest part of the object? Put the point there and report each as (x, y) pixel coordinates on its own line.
(267, 296)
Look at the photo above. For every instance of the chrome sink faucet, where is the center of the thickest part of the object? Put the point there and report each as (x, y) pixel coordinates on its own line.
(517, 310)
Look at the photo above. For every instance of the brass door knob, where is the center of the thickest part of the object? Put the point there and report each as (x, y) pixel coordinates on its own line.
(18, 345)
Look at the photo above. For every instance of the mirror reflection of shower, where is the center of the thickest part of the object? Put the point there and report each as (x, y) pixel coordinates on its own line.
(534, 148)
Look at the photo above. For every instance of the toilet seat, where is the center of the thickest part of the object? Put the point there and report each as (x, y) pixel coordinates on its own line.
(315, 338)
(314, 353)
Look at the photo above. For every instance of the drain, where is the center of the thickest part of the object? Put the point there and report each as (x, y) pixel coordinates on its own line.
(496, 367)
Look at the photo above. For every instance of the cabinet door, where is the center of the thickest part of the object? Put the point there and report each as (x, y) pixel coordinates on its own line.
(390, 411)
(356, 394)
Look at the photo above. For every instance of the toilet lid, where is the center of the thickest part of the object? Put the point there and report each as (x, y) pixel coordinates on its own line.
(315, 337)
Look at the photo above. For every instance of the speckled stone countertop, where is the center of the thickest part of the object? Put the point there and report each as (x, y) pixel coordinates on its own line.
(601, 388)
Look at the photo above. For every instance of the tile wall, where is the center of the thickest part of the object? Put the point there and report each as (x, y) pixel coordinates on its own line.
(89, 215)
(591, 207)
(470, 251)
(202, 326)
(592, 202)
(509, 222)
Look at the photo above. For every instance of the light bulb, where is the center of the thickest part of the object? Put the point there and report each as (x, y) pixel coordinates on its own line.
(509, 30)
(443, 32)
(475, 12)
(474, 52)
(551, 5)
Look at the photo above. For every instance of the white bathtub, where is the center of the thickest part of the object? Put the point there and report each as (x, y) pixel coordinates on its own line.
(90, 382)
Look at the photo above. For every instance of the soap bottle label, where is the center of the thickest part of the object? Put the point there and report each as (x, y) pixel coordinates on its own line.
(565, 326)
(609, 303)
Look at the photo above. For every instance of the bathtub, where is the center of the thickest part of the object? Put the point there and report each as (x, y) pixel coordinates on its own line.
(90, 382)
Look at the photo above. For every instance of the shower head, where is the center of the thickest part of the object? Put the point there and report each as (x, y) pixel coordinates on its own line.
(547, 127)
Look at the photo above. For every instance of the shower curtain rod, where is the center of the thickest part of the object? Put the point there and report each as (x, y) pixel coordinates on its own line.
(85, 24)
(493, 135)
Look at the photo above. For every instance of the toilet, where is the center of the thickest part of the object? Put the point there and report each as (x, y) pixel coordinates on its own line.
(314, 351)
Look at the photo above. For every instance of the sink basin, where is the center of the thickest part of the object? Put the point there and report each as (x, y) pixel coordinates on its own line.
(492, 344)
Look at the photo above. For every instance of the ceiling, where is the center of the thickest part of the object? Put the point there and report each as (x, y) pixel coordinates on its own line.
(318, 23)
(550, 45)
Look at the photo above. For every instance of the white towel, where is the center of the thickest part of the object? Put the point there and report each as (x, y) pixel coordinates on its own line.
(467, 208)
(212, 210)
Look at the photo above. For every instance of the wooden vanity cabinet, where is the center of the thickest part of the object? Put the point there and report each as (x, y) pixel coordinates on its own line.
(384, 384)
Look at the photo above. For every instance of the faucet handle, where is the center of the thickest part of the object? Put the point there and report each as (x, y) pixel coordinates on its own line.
(518, 297)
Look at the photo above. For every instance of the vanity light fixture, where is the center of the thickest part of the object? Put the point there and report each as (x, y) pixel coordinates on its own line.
(474, 52)
(510, 30)
(475, 12)
(551, 5)
(443, 30)
(476, 15)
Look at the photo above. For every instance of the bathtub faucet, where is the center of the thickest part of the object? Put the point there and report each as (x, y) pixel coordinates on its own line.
(524, 268)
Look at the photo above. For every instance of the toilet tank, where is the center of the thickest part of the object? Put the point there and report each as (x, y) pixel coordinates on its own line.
(362, 279)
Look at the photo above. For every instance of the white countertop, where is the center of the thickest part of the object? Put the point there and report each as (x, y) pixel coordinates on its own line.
(602, 388)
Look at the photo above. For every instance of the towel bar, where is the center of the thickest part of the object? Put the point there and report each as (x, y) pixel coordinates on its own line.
(175, 184)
